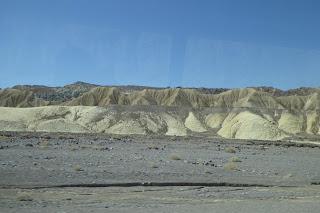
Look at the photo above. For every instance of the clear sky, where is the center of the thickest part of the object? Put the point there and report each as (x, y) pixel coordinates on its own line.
(198, 43)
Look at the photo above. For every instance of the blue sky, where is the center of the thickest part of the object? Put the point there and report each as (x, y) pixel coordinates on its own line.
(191, 43)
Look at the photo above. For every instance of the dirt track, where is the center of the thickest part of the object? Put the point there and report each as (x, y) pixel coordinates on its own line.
(165, 174)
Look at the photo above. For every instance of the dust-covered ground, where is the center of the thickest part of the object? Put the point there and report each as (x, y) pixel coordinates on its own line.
(42, 172)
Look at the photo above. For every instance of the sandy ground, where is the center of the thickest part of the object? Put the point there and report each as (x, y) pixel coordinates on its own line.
(164, 199)
(103, 173)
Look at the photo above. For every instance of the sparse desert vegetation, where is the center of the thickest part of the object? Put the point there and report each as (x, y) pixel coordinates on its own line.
(230, 149)
(230, 166)
(24, 196)
(77, 168)
(175, 157)
(154, 165)
(235, 159)
(3, 137)
(43, 144)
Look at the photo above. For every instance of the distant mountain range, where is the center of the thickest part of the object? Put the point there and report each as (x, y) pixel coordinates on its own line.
(81, 93)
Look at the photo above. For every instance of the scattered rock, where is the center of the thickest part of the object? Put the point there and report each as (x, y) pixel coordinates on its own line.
(209, 163)
(153, 147)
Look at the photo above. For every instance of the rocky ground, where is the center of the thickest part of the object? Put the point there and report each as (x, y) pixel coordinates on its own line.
(43, 172)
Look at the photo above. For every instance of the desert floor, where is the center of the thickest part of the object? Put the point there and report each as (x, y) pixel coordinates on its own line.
(43, 172)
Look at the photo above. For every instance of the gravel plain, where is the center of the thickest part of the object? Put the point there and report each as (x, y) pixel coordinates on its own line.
(42, 172)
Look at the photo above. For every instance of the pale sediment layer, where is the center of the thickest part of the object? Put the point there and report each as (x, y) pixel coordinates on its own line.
(244, 123)
(250, 113)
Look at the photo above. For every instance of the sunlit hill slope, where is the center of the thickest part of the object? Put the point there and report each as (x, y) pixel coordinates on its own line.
(250, 113)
